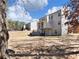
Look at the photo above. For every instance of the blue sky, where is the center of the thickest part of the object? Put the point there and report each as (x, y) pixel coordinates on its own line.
(32, 9)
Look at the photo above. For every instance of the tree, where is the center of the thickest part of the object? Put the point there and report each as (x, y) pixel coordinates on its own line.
(14, 25)
(73, 16)
(3, 30)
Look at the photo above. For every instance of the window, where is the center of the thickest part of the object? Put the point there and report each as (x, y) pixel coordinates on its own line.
(42, 24)
(55, 32)
(51, 16)
(59, 14)
(59, 23)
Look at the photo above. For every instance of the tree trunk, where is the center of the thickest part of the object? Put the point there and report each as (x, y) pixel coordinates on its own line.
(3, 30)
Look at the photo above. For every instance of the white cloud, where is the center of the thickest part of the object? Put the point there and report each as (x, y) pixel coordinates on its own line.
(16, 12)
(54, 9)
(33, 4)
(19, 11)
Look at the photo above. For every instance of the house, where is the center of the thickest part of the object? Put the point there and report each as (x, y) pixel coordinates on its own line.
(41, 24)
(53, 24)
(33, 26)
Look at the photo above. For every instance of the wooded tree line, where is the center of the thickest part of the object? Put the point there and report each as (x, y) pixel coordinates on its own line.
(14, 25)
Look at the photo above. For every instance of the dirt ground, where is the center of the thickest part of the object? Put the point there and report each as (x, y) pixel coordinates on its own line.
(20, 41)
